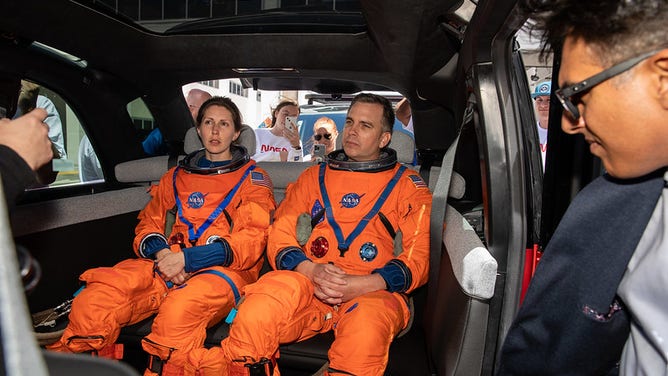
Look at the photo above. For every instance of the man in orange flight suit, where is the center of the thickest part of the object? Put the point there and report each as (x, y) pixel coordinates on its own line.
(221, 213)
(337, 269)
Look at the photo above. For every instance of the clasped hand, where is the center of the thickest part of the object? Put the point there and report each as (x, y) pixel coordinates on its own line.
(171, 266)
(334, 286)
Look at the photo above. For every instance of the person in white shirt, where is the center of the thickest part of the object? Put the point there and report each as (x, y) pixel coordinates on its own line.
(405, 115)
(279, 143)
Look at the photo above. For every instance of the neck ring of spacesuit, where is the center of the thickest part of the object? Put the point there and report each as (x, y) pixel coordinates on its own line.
(338, 160)
(239, 158)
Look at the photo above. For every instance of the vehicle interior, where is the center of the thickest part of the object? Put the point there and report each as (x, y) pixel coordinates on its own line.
(117, 69)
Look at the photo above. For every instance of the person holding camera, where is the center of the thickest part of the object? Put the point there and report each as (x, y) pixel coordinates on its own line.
(324, 139)
(24, 148)
(280, 141)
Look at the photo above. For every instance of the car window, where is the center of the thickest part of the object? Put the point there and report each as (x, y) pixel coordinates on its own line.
(71, 146)
(153, 142)
(539, 76)
(76, 161)
(256, 106)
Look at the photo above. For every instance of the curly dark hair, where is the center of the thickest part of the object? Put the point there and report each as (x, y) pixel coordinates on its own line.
(615, 29)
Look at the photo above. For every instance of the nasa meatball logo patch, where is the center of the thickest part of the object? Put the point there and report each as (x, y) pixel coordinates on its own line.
(196, 200)
(350, 200)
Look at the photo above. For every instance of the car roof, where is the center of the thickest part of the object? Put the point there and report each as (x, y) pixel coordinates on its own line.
(364, 47)
(106, 59)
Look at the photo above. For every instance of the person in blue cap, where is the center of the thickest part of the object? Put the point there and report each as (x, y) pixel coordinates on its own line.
(541, 97)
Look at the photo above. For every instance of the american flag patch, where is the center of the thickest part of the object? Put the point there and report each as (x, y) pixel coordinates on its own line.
(417, 181)
(258, 178)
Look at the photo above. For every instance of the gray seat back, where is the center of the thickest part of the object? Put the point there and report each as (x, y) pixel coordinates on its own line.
(456, 328)
(456, 325)
(151, 169)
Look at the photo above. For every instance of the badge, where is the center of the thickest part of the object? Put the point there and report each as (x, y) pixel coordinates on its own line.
(368, 251)
(417, 181)
(212, 238)
(319, 247)
(350, 200)
(316, 210)
(177, 238)
(258, 178)
(196, 200)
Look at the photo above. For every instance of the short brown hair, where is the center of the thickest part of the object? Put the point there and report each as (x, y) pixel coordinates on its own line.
(222, 102)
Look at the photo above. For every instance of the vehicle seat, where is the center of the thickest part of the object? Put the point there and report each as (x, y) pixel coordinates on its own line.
(457, 316)
(282, 174)
(151, 169)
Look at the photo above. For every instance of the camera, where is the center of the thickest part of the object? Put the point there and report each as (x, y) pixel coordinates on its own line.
(291, 123)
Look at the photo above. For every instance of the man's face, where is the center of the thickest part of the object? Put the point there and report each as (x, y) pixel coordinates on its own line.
(323, 130)
(543, 109)
(363, 134)
(195, 99)
(621, 118)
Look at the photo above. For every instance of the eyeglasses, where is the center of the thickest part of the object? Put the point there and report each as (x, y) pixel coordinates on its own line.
(565, 94)
(328, 136)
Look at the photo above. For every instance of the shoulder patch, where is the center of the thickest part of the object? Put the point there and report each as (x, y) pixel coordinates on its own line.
(417, 181)
(258, 178)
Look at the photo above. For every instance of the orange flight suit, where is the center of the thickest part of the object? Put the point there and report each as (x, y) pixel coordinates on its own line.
(281, 308)
(131, 291)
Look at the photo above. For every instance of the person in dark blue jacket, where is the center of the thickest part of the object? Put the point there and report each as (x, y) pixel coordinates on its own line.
(598, 303)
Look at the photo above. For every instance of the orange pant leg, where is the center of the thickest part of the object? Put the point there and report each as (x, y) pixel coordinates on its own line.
(186, 313)
(113, 297)
(364, 331)
(279, 308)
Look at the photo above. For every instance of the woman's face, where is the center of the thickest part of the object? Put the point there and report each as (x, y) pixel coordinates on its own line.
(284, 112)
(217, 133)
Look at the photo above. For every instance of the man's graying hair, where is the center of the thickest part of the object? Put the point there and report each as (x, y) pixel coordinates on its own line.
(616, 29)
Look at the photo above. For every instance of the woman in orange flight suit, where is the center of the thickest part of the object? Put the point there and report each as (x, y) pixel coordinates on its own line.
(352, 241)
(192, 274)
